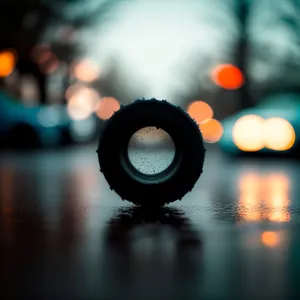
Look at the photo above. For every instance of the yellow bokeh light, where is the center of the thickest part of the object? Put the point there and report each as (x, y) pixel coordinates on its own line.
(248, 134)
(212, 131)
(249, 202)
(82, 102)
(7, 63)
(279, 134)
(200, 111)
(107, 107)
(264, 197)
(276, 197)
(270, 239)
(86, 70)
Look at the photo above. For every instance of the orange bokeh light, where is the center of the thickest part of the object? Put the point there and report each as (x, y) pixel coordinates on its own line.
(247, 133)
(200, 111)
(228, 76)
(85, 70)
(270, 239)
(212, 131)
(107, 107)
(7, 63)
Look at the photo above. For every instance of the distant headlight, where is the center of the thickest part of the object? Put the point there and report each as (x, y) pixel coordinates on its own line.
(252, 133)
(279, 134)
(247, 133)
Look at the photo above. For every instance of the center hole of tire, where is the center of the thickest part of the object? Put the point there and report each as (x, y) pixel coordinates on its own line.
(151, 150)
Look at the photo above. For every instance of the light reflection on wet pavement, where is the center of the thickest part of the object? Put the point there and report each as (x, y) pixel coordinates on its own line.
(65, 234)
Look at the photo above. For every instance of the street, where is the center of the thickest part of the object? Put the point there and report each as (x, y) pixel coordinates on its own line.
(65, 235)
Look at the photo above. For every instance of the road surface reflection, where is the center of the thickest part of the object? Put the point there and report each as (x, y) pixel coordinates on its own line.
(264, 197)
(67, 235)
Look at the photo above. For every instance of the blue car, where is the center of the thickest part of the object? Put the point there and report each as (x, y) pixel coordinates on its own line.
(271, 127)
(40, 126)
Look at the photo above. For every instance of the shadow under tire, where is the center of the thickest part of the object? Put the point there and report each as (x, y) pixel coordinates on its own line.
(172, 183)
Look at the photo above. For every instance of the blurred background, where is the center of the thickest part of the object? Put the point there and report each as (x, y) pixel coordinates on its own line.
(67, 65)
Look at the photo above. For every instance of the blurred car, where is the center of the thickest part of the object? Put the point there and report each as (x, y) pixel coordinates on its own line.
(40, 126)
(273, 127)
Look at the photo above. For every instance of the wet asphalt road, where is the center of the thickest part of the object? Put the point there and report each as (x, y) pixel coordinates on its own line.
(65, 235)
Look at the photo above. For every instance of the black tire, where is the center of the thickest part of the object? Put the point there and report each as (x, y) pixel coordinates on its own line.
(169, 185)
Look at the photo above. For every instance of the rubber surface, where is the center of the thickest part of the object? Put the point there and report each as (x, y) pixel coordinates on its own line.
(169, 185)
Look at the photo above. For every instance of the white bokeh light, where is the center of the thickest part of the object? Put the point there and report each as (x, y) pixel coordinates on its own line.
(154, 39)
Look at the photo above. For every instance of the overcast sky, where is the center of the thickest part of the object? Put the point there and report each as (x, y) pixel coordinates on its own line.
(157, 39)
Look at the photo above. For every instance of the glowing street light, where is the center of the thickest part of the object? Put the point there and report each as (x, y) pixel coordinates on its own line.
(7, 62)
(228, 76)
